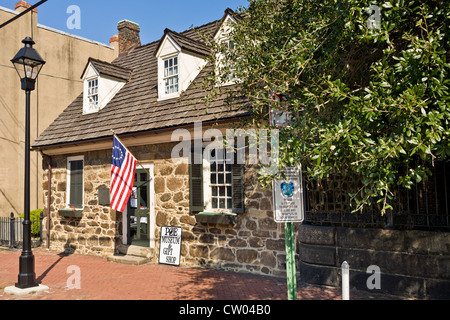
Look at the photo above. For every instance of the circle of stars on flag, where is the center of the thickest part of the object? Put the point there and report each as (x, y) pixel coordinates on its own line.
(117, 151)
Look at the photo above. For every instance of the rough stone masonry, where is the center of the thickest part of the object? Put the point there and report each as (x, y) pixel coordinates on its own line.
(254, 244)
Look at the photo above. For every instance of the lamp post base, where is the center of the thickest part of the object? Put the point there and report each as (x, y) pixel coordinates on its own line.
(23, 292)
(27, 276)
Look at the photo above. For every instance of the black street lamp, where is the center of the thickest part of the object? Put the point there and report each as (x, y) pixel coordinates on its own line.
(28, 64)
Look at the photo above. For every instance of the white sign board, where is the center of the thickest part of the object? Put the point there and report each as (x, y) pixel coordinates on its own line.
(288, 203)
(170, 246)
(281, 118)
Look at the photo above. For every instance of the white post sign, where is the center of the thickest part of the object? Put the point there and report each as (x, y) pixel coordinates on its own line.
(288, 197)
(170, 246)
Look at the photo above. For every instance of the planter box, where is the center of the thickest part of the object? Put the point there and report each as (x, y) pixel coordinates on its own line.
(69, 213)
(215, 218)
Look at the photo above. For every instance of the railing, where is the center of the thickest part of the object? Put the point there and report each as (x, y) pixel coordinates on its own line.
(426, 206)
(11, 231)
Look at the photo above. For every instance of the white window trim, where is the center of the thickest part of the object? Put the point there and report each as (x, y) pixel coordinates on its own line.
(207, 194)
(88, 102)
(177, 75)
(162, 84)
(69, 160)
(207, 188)
(221, 65)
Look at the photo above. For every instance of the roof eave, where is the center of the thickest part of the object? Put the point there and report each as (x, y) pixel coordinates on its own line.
(105, 138)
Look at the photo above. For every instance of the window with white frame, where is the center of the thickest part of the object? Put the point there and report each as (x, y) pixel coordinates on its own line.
(221, 181)
(93, 95)
(75, 182)
(231, 72)
(217, 184)
(171, 80)
(225, 66)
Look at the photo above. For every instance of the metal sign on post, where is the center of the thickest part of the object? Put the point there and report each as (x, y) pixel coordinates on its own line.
(288, 209)
(288, 197)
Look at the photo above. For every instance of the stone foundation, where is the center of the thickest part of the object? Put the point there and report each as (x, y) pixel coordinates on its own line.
(412, 263)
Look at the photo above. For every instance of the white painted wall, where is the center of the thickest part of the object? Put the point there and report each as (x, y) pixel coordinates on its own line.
(190, 67)
(107, 89)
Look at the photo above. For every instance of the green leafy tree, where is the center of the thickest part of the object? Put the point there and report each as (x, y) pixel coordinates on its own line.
(366, 99)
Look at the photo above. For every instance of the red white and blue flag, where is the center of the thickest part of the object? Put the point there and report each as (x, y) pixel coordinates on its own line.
(122, 176)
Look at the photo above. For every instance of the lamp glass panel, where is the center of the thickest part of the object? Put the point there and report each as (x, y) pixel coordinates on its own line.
(27, 68)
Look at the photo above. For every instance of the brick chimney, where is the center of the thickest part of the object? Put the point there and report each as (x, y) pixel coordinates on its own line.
(114, 41)
(128, 36)
(22, 6)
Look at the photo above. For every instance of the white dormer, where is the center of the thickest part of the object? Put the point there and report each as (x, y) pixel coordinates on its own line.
(180, 60)
(223, 36)
(226, 27)
(102, 81)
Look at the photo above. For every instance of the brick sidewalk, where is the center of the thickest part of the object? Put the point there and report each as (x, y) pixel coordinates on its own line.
(102, 280)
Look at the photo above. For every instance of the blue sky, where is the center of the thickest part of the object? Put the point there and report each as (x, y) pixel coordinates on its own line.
(99, 18)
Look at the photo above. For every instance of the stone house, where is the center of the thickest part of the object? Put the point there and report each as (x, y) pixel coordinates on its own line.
(144, 96)
(150, 97)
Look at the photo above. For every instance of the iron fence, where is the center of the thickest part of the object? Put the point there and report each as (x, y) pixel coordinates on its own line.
(423, 207)
(11, 231)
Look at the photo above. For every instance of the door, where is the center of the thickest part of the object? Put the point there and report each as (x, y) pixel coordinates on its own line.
(138, 211)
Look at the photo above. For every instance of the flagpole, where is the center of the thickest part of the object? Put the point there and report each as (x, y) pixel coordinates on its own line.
(131, 153)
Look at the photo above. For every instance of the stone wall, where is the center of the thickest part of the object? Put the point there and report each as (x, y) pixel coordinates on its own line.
(412, 263)
(98, 232)
(254, 244)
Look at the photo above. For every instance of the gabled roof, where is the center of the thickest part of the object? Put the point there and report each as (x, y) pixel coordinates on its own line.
(232, 14)
(185, 43)
(135, 108)
(108, 69)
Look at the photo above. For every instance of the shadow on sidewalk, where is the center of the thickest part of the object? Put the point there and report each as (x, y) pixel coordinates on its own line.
(68, 250)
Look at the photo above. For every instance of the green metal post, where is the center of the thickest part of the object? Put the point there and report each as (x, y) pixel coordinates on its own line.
(290, 261)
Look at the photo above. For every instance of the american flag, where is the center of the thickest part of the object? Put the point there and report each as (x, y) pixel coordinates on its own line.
(122, 176)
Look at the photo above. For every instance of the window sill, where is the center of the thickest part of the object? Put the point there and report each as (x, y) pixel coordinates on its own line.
(168, 97)
(216, 218)
(71, 213)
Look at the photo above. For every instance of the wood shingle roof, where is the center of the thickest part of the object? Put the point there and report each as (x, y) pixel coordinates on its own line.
(135, 108)
(186, 43)
(108, 69)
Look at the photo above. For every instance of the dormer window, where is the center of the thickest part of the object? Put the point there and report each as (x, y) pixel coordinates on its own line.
(231, 75)
(93, 95)
(102, 81)
(171, 79)
(180, 60)
(224, 68)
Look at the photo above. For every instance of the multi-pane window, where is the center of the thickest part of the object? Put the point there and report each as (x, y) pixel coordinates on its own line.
(75, 182)
(231, 74)
(216, 185)
(93, 94)
(221, 181)
(171, 80)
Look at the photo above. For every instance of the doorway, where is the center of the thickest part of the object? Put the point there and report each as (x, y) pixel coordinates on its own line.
(140, 210)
